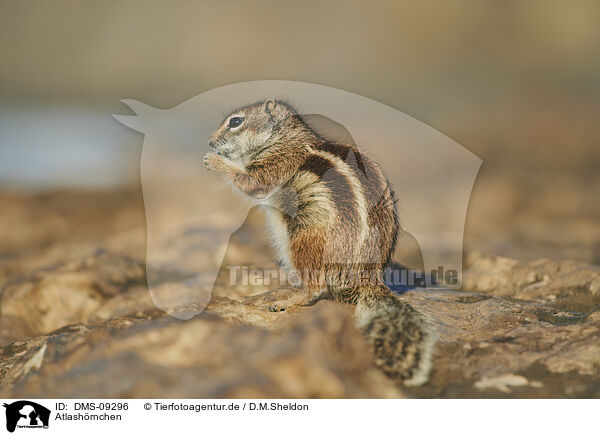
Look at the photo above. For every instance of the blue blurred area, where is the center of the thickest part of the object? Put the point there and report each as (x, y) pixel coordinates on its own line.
(53, 146)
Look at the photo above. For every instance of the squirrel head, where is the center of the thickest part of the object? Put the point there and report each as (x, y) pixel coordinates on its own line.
(250, 129)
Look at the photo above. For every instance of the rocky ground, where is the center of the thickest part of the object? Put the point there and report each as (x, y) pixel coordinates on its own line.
(77, 320)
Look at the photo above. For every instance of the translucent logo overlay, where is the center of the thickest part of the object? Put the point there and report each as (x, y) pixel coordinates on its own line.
(191, 212)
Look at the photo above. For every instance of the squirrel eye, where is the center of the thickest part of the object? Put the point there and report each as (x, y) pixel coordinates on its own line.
(236, 121)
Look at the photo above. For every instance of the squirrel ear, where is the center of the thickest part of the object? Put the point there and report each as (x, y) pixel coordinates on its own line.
(269, 107)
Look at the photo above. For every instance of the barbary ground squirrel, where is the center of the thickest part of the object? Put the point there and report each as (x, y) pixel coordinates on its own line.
(331, 214)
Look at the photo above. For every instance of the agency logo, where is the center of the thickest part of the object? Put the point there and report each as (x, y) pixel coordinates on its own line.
(25, 414)
(191, 214)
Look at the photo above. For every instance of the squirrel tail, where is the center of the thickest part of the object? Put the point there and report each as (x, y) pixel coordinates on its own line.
(402, 339)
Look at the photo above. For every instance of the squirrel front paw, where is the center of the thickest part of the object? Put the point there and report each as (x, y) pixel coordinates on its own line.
(213, 161)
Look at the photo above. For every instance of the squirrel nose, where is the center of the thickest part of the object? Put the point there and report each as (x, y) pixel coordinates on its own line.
(211, 143)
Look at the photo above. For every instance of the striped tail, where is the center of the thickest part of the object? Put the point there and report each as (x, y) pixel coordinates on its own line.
(402, 340)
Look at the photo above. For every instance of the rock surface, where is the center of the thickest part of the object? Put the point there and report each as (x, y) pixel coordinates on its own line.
(76, 320)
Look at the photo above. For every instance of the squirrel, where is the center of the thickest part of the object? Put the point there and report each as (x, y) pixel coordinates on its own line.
(330, 213)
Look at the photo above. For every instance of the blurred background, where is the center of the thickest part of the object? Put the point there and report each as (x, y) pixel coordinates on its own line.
(517, 83)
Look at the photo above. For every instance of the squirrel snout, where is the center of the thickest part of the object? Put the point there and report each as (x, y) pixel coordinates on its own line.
(211, 143)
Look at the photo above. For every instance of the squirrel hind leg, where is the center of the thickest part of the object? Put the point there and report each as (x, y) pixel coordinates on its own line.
(401, 338)
(303, 298)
